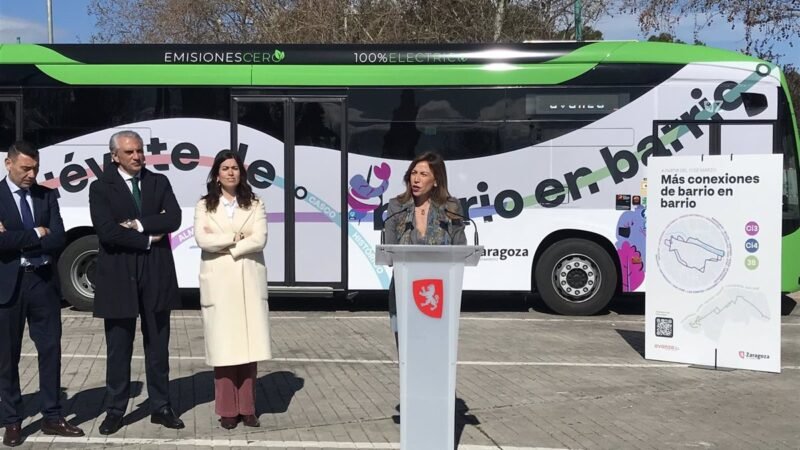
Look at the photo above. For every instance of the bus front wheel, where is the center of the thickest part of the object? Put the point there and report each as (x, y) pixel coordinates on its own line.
(576, 277)
(76, 268)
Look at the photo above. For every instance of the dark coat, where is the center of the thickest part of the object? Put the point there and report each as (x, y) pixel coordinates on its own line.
(126, 270)
(17, 239)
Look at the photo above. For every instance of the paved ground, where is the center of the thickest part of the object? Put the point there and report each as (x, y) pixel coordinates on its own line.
(526, 379)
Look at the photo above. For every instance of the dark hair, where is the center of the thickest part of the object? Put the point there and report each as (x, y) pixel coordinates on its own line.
(244, 193)
(439, 194)
(22, 148)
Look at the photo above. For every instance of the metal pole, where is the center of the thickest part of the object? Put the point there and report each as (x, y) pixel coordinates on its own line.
(578, 20)
(50, 21)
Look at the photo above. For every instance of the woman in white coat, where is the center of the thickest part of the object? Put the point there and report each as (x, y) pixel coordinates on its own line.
(230, 226)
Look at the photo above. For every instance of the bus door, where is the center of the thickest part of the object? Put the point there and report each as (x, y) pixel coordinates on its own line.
(10, 121)
(294, 149)
(705, 137)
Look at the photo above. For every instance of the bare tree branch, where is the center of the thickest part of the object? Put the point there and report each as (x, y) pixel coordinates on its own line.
(336, 21)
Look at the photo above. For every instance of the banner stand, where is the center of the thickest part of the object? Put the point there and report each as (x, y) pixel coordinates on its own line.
(714, 367)
(713, 258)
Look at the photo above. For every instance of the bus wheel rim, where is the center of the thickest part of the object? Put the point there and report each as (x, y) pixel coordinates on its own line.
(576, 278)
(81, 273)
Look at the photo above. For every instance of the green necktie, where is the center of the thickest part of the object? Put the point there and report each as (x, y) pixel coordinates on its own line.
(137, 194)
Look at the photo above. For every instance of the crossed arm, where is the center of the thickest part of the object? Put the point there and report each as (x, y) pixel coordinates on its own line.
(108, 230)
(211, 239)
(127, 234)
(48, 239)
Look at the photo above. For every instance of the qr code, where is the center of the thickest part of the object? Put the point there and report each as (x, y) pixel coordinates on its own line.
(663, 327)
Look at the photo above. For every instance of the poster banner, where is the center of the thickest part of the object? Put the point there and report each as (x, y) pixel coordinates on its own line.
(713, 256)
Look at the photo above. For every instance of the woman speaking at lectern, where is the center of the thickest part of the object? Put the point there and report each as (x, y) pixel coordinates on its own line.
(425, 214)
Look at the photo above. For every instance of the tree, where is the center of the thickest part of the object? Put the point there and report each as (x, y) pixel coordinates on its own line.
(666, 37)
(764, 22)
(338, 21)
(793, 81)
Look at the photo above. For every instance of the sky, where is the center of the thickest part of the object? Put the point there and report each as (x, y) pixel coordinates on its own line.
(27, 20)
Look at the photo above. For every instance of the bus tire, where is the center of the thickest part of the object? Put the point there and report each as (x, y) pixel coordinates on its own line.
(576, 277)
(76, 272)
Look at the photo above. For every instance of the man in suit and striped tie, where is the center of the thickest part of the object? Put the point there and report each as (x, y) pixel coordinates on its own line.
(31, 235)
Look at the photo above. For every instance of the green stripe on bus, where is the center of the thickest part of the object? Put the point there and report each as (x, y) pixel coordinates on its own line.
(594, 53)
(315, 75)
(148, 74)
(791, 243)
(666, 53)
(650, 53)
(31, 54)
(788, 93)
(433, 75)
(790, 248)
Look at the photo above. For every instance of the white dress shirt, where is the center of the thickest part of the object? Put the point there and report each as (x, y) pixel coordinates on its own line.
(127, 178)
(17, 198)
(230, 206)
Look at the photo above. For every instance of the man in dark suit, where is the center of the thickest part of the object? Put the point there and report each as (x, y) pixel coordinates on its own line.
(31, 235)
(132, 210)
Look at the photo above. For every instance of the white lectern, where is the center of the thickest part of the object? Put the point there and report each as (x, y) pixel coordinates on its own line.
(427, 282)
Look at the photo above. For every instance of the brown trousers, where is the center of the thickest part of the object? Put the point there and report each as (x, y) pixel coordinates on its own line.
(234, 390)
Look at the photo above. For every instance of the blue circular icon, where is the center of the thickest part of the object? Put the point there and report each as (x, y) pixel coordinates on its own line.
(751, 245)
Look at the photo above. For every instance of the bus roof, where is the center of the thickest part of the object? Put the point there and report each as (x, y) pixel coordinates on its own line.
(336, 65)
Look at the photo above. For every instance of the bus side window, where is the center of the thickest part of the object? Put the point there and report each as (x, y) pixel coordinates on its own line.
(404, 140)
(8, 123)
(426, 104)
(56, 115)
(574, 103)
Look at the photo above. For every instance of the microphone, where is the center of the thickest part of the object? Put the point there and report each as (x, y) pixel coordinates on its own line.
(383, 230)
(474, 225)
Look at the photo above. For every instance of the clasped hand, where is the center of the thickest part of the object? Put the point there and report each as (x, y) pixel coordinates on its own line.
(131, 224)
(236, 237)
(43, 231)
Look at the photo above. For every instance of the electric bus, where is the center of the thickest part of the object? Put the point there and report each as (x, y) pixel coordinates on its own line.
(546, 146)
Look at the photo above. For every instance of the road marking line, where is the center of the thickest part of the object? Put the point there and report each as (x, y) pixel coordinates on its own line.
(217, 442)
(462, 318)
(390, 361)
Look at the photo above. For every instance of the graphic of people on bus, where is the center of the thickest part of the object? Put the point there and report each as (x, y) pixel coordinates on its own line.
(631, 232)
(361, 190)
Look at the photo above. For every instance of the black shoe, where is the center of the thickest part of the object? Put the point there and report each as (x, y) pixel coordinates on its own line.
(229, 423)
(111, 424)
(166, 417)
(13, 435)
(60, 427)
(250, 420)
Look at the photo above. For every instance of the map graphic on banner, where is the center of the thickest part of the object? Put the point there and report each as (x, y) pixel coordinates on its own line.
(733, 303)
(715, 228)
(694, 253)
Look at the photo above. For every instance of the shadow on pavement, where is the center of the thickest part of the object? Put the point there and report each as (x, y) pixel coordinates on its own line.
(378, 301)
(462, 419)
(634, 304)
(86, 405)
(274, 393)
(788, 304)
(634, 338)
